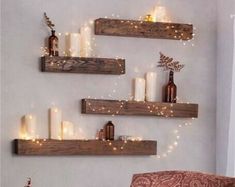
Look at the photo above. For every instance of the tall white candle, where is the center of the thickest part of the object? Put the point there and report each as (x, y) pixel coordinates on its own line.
(74, 44)
(151, 86)
(28, 127)
(139, 89)
(55, 118)
(86, 41)
(67, 129)
(62, 49)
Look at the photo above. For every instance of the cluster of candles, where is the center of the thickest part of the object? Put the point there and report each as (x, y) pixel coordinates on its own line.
(76, 44)
(145, 89)
(58, 129)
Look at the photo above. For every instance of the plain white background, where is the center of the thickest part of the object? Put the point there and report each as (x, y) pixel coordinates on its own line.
(27, 90)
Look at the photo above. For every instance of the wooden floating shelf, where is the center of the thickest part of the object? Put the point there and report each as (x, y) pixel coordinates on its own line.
(83, 65)
(110, 107)
(84, 147)
(143, 29)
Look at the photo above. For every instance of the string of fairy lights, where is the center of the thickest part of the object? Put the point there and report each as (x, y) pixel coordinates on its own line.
(152, 108)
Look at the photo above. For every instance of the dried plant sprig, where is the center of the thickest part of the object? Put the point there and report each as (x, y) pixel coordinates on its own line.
(49, 22)
(168, 64)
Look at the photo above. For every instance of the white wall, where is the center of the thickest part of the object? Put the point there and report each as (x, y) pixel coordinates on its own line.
(26, 89)
(224, 80)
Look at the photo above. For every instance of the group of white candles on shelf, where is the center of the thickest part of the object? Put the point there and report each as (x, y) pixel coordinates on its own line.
(58, 129)
(76, 44)
(145, 89)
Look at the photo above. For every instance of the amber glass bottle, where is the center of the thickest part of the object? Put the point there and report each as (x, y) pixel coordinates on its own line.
(53, 44)
(109, 131)
(171, 89)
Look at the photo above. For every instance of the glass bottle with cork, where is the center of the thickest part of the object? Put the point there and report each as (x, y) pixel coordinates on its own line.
(171, 89)
(109, 131)
(53, 44)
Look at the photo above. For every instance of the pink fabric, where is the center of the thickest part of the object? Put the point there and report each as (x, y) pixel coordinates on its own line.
(180, 179)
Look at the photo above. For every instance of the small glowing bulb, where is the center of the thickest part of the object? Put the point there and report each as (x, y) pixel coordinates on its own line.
(175, 143)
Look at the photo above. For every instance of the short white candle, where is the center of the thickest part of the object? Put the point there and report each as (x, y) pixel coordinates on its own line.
(67, 129)
(86, 41)
(151, 86)
(55, 118)
(28, 127)
(74, 44)
(159, 14)
(139, 89)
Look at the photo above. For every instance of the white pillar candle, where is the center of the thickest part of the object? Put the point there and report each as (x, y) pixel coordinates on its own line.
(159, 14)
(62, 49)
(151, 86)
(86, 41)
(73, 44)
(28, 127)
(55, 118)
(139, 89)
(67, 129)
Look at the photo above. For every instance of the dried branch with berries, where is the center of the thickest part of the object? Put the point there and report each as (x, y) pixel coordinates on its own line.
(49, 22)
(169, 64)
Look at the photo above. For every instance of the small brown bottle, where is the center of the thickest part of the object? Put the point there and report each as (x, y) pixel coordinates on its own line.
(171, 89)
(109, 131)
(53, 44)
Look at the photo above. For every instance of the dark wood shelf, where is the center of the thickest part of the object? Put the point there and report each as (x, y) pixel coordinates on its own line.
(110, 107)
(84, 147)
(143, 29)
(83, 65)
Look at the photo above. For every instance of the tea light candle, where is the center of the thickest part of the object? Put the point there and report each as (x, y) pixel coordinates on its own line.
(28, 127)
(85, 41)
(55, 116)
(74, 44)
(151, 86)
(67, 129)
(159, 14)
(139, 89)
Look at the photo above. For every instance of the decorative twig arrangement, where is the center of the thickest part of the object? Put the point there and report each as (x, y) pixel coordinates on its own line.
(168, 64)
(49, 22)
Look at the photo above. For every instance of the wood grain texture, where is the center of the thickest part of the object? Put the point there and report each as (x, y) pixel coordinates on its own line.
(83, 65)
(84, 147)
(143, 29)
(110, 107)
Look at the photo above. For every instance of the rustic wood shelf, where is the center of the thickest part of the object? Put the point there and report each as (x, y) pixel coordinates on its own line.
(83, 65)
(84, 147)
(143, 29)
(110, 107)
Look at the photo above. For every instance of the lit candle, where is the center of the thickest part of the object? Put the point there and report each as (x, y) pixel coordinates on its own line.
(73, 42)
(159, 14)
(86, 41)
(28, 127)
(151, 86)
(139, 89)
(55, 116)
(67, 129)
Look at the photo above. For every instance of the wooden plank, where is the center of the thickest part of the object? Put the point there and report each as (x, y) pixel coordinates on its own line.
(110, 107)
(143, 29)
(84, 147)
(83, 65)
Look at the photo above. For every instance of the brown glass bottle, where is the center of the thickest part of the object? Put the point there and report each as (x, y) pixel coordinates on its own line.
(53, 44)
(109, 131)
(171, 89)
